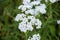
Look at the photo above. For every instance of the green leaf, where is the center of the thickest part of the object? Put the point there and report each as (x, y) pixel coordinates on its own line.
(52, 29)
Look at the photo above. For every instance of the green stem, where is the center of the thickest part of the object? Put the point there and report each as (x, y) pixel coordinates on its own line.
(26, 35)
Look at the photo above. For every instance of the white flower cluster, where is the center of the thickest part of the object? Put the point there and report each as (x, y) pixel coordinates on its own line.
(33, 7)
(35, 37)
(27, 22)
(52, 1)
(20, 17)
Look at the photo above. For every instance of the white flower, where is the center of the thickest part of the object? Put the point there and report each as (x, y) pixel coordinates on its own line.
(26, 2)
(29, 25)
(32, 19)
(28, 6)
(17, 17)
(43, 5)
(24, 7)
(53, 1)
(35, 37)
(31, 11)
(20, 17)
(20, 6)
(25, 20)
(41, 8)
(35, 2)
(38, 24)
(22, 27)
(58, 21)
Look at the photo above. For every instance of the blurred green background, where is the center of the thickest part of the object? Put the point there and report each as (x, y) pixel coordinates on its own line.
(9, 28)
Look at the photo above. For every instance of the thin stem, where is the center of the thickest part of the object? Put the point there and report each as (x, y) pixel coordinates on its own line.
(26, 35)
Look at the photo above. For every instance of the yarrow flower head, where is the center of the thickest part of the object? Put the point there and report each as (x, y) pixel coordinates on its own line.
(24, 27)
(27, 22)
(27, 7)
(35, 37)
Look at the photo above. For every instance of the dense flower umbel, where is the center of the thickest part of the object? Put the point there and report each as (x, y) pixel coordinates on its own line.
(35, 37)
(27, 22)
(27, 7)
